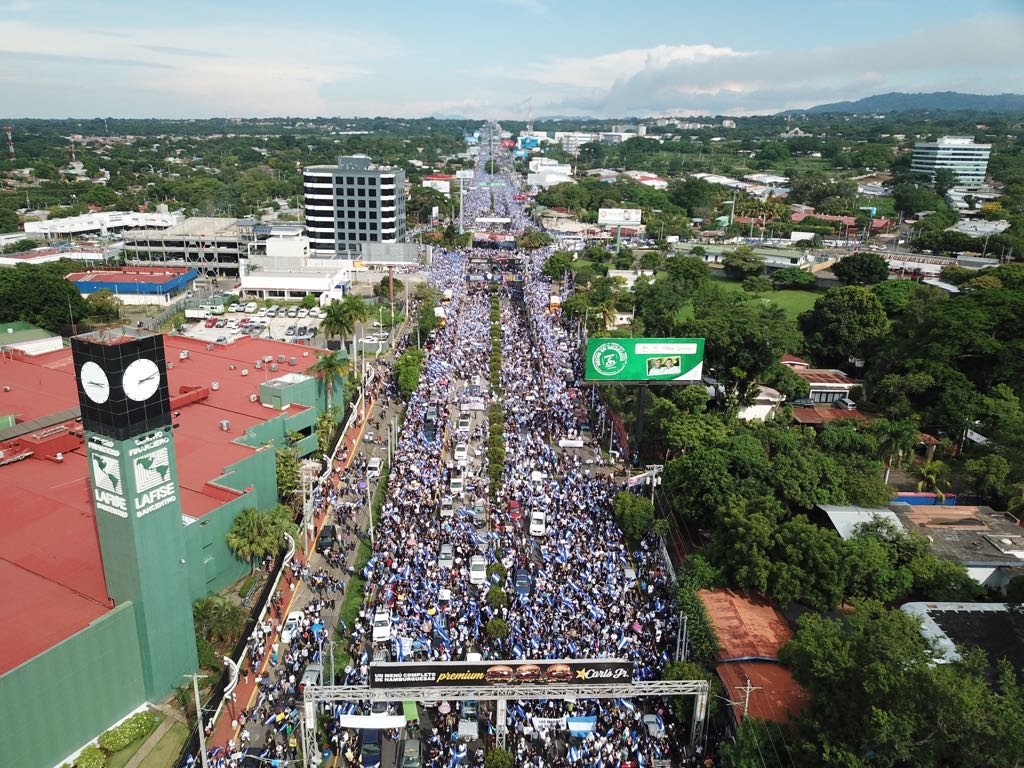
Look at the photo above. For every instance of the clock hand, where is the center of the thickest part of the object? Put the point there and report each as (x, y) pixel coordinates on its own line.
(95, 384)
(149, 377)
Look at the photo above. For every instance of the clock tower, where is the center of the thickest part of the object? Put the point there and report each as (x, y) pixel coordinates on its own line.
(122, 390)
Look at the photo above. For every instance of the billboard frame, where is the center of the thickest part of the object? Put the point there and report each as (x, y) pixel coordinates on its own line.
(613, 360)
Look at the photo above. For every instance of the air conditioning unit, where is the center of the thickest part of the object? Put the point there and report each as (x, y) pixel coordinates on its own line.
(253, 398)
(232, 367)
(268, 358)
(273, 367)
(183, 355)
(245, 371)
(214, 385)
(170, 365)
(280, 358)
(258, 365)
(305, 354)
(225, 425)
(292, 360)
(7, 389)
(209, 347)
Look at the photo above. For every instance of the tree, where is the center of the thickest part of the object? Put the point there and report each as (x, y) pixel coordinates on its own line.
(496, 597)
(793, 277)
(289, 472)
(895, 439)
(218, 620)
(843, 323)
(944, 180)
(532, 238)
(861, 268)
(308, 301)
(337, 322)
(9, 220)
(635, 514)
(933, 476)
(557, 265)
(987, 475)
(499, 758)
(407, 369)
(894, 295)
(496, 629)
(256, 533)
(742, 263)
(328, 369)
(758, 284)
(688, 273)
(383, 288)
(103, 306)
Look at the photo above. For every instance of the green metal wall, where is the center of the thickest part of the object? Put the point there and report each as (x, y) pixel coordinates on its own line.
(53, 704)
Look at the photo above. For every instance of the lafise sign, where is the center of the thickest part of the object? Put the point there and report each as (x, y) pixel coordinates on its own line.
(150, 465)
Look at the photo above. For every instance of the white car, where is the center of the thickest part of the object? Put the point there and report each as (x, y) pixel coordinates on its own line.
(381, 627)
(538, 524)
(446, 558)
(447, 508)
(461, 452)
(291, 626)
(234, 308)
(262, 312)
(303, 312)
(477, 570)
(458, 485)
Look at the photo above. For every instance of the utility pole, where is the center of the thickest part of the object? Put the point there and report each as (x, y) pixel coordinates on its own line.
(199, 720)
(747, 690)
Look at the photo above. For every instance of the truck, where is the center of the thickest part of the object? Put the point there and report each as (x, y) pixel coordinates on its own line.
(439, 313)
(446, 297)
(197, 314)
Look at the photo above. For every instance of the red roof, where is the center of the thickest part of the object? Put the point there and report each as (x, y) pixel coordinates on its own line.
(750, 633)
(158, 275)
(793, 360)
(50, 562)
(445, 176)
(824, 376)
(822, 414)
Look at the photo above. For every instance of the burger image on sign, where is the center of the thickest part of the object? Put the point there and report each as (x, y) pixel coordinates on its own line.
(609, 359)
(527, 673)
(559, 673)
(499, 673)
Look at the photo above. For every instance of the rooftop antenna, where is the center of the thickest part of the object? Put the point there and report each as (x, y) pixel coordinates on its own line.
(529, 115)
(10, 142)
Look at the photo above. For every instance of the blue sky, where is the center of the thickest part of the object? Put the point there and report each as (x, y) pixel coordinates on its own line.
(491, 58)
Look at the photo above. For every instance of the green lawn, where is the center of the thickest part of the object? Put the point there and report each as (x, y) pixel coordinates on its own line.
(166, 750)
(120, 759)
(793, 302)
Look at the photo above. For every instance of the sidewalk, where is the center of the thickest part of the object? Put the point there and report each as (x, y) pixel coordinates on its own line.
(246, 690)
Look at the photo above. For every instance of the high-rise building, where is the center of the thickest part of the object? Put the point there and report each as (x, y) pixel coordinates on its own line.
(351, 203)
(959, 154)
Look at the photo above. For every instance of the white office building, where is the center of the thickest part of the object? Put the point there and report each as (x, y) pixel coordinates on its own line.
(352, 203)
(969, 161)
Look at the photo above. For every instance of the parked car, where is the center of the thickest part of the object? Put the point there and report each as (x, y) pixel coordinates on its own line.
(369, 751)
(446, 557)
(210, 322)
(538, 523)
(303, 312)
(301, 330)
(477, 570)
(222, 340)
(292, 311)
(290, 330)
(461, 452)
(234, 308)
(411, 757)
(263, 312)
(845, 404)
(464, 422)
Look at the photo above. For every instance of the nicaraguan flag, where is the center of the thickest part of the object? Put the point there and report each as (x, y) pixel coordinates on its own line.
(496, 577)
(623, 642)
(625, 704)
(581, 726)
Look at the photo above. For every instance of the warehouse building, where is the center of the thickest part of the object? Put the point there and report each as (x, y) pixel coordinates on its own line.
(123, 464)
(137, 285)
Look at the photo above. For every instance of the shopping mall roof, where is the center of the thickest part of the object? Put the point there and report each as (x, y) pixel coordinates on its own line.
(50, 561)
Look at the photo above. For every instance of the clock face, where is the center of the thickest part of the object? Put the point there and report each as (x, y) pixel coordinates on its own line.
(141, 379)
(94, 382)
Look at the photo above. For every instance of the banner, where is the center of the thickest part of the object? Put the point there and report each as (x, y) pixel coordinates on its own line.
(622, 217)
(480, 673)
(547, 723)
(641, 360)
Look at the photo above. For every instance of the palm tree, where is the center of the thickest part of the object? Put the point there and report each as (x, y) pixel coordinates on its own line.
(895, 438)
(933, 478)
(337, 321)
(329, 368)
(254, 535)
(358, 312)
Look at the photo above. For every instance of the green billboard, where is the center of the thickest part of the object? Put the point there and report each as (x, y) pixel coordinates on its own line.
(644, 360)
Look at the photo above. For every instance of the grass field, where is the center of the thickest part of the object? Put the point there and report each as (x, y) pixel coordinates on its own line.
(166, 750)
(793, 302)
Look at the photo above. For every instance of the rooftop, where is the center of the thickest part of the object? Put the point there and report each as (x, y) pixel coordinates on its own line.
(989, 626)
(823, 414)
(132, 275)
(824, 376)
(19, 331)
(750, 634)
(975, 536)
(845, 518)
(198, 226)
(50, 559)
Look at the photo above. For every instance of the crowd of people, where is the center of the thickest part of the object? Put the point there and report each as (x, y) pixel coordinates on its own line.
(590, 594)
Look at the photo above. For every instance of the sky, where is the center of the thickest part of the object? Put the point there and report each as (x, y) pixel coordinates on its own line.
(493, 58)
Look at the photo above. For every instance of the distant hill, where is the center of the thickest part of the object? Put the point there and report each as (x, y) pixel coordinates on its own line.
(947, 101)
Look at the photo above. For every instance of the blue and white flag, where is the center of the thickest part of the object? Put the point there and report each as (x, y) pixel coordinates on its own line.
(623, 642)
(581, 726)
(625, 704)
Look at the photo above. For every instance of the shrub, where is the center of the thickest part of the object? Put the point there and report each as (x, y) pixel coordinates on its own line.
(496, 597)
(91, 757)
(497, 568)
(135, 727)
(496, 629)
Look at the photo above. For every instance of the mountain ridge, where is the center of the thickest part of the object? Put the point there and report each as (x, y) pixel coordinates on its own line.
(938, 101)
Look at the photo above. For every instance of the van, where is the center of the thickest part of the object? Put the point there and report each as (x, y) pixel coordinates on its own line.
(369, 751)
(373, 467)
(846, 404)
(411, 757)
